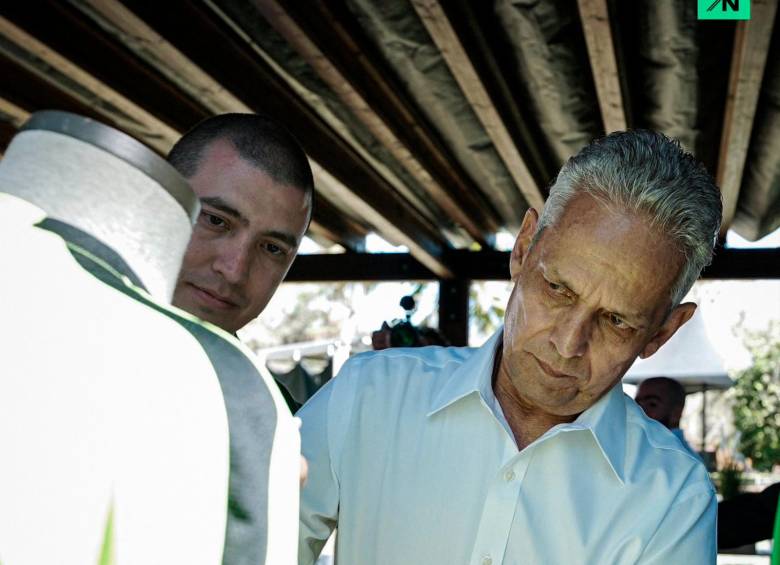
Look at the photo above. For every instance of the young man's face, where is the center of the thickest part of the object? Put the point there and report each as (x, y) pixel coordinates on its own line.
(590, 296)
(243, 242)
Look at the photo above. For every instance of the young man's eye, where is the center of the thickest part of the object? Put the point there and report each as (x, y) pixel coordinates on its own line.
(213, 221)
(274, 249)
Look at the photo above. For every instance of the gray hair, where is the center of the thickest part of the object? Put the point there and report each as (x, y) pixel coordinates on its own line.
(648, 174)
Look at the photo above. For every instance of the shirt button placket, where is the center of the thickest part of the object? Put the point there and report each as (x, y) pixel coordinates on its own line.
(486, 560)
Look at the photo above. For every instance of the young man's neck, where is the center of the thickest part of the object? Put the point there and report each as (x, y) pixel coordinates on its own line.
(527, 422)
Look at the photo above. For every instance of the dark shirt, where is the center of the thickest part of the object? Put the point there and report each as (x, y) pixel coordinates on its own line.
(747, 518)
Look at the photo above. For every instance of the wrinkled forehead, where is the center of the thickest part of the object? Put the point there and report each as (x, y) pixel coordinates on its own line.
(635, 265)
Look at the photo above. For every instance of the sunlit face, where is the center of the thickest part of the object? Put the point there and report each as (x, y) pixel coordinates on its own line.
(590, 296)
(243, 242)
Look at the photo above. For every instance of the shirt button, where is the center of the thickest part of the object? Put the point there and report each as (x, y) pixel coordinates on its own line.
(487, 560)
(509, 476)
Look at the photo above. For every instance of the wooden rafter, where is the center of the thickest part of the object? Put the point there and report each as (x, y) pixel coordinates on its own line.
(594, 15)
(751, 46)
(279, 17)
(47, 64)
(336, 227)
(375, 216)
(444, 36)
(494, 265)
(152, 48)
(12, 114)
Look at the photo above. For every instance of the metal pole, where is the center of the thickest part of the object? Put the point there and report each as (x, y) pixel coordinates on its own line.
(703, 416)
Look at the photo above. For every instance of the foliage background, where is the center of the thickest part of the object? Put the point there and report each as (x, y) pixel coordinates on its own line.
(757, 400)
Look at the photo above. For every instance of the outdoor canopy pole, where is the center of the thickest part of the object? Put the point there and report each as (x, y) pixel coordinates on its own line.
(703, 416)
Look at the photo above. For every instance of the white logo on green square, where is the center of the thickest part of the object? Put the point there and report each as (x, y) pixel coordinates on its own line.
(724, 9)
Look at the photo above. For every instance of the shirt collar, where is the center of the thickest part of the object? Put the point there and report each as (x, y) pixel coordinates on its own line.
(474, 375)
(606, 419)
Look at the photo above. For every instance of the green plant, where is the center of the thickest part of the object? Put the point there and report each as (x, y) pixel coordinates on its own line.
(730, 480)
(757, 400)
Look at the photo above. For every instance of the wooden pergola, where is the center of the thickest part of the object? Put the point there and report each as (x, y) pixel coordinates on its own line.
(433, 124)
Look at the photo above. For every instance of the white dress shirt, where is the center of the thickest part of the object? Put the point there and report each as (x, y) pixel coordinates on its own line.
(409, 460)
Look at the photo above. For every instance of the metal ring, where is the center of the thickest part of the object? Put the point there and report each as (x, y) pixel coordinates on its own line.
(122, 146)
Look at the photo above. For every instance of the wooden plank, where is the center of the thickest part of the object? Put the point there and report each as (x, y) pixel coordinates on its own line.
(48, 65)
(751, 46)
(494, 265)
(330, 223)
(12, 114)
(222, 50)
(445, 38)
(279, 17)
(156, 51)
(358, 267)
(454, 311)
(601, 50)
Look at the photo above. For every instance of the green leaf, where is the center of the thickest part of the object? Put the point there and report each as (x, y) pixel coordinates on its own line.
(107, 556)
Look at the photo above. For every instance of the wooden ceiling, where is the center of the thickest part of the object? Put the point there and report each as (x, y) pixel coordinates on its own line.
(434, 124)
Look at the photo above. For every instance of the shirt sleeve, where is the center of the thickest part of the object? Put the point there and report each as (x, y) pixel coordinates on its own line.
(687, 534)
(320, 494)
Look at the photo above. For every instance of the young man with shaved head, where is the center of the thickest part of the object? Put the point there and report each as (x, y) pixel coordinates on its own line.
(255, 187)
(526, 450)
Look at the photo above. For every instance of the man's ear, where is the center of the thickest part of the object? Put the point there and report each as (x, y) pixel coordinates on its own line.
(523, 241)
(674, 321)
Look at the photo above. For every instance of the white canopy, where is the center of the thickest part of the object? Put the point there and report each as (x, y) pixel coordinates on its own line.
(687, 357)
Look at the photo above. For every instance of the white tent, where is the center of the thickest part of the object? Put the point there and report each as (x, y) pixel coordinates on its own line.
(688, 357)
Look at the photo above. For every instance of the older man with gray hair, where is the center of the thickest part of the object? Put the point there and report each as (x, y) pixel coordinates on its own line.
(526, 450)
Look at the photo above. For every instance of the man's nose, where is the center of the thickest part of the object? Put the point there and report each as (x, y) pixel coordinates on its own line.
(233, 261)
(571, 333)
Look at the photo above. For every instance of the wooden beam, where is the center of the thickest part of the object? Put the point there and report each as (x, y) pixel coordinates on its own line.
(12, 114)
(219, 47)
(445, 38)
(279, 17)
(454, 311)
(348, 46)
(30, 92)
(601, 50)
(330, 223)
(358, 267)
(494, 265)
(751, 46)
(152, 48)
(50, 66)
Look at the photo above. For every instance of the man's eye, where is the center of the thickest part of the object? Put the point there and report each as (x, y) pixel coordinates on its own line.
(274, 249)
(213, 221)
(557, 288)
(617, 322)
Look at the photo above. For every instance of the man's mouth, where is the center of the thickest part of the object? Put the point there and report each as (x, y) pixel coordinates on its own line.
(548, 370)
(212, 299)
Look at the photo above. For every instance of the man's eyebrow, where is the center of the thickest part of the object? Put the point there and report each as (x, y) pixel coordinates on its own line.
(637, 320)
(284, 237)
(222, 206)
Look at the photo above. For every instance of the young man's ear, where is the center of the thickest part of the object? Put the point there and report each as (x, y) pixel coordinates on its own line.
(523, 241)
(674, 321)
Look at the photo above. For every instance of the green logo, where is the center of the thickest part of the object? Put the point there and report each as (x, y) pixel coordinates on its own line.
(724, 9)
